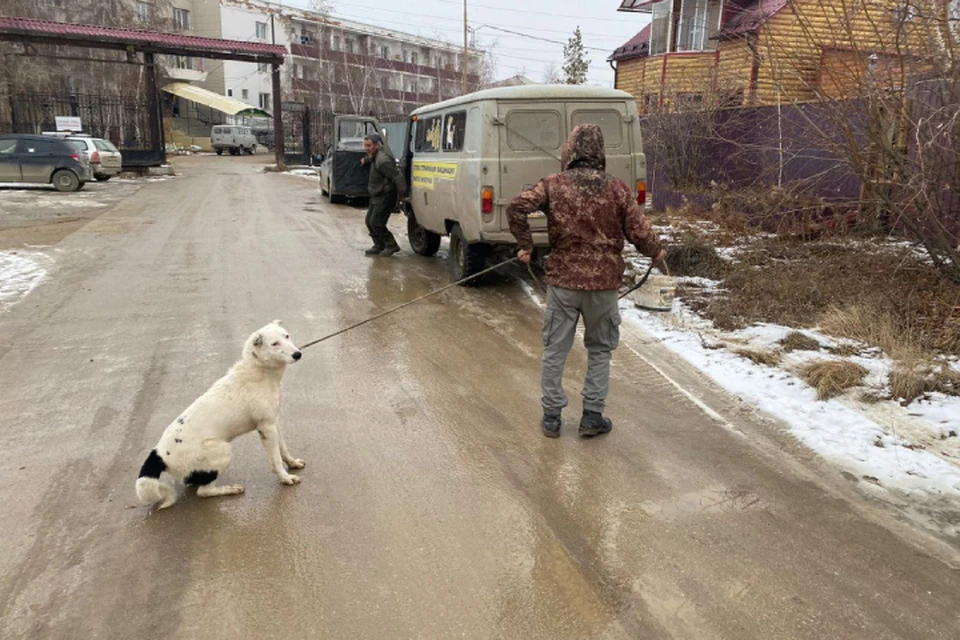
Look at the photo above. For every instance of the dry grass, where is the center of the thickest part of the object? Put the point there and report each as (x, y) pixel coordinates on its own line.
(796, 341)
(832, 378)
(693, 254)
(883, 298)
(766, 358)
(909, 381)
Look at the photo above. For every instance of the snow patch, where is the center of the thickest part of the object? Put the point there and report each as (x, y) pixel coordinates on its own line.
(19, 274)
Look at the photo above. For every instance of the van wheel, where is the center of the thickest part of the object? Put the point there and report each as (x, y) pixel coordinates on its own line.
(65, 180)
(219, 152)
(424, 243)
(466, 259)
(234, 151)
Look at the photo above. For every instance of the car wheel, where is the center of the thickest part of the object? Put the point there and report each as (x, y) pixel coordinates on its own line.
(66, 180)
(219, 152)
(466, 259)
(103, 178)
(324, 190)
(424, 243)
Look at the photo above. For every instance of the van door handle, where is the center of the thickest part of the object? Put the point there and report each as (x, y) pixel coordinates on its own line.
(425, 199)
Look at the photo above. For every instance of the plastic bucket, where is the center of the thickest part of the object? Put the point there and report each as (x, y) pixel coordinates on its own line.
(656, 294)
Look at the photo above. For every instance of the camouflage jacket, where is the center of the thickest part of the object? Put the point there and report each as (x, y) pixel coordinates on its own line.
(589, 216)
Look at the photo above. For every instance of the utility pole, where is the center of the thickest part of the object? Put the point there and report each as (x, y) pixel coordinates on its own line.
(466, 52)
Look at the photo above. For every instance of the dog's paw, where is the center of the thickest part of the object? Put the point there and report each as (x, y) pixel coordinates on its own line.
(290, 480)
(233, 489)
(296, 464)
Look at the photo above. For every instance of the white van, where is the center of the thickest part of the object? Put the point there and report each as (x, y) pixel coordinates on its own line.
(233, 138)
(466, 159)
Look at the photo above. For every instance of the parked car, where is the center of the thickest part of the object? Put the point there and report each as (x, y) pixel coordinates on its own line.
(35, 159)
(234, 139)
(466, 158)
(341, 175)
(105, 160)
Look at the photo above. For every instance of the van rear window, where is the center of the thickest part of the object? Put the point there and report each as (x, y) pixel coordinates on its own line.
(530, 130)
(610, 122)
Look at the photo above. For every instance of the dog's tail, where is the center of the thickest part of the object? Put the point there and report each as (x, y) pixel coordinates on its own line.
(149, 488)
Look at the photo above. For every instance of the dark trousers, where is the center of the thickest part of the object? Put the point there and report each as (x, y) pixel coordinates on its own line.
(377, 217)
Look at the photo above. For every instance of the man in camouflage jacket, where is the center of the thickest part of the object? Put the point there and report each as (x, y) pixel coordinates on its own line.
(589, 215)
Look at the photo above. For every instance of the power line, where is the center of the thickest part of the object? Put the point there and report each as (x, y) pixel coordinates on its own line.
(533, 13)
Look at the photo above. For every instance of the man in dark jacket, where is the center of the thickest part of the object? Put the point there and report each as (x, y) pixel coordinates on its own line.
(386, 185)
(589, 215)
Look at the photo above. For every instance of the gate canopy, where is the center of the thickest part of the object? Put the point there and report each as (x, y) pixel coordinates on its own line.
(226, 105)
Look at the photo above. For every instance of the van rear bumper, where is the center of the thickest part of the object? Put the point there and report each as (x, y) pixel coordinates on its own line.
(505, 237)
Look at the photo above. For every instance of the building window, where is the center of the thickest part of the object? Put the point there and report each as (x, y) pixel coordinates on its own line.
(144, 11)
(298, 71)
(183, 62)
(261, 31)
(181, 19)
(385, 52)
(385, 83)
(689, 101)
(229, 93)
(414, 58)
(336, 43)
(245, 94)
(262, 67)
(651, 102)
(306, 37)
(265, 101)
(349, 43)
(684, 25)
(410, 85)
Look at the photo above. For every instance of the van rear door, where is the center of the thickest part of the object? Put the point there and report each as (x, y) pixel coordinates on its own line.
(613, 119)
(531, 136)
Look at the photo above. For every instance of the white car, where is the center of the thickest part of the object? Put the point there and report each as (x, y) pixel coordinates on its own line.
(105, 160)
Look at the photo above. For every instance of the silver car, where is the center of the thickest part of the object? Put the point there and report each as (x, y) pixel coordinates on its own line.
(105, 160)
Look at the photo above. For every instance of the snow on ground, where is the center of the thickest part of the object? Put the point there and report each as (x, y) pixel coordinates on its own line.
(304, 173)
(19, 274)
(836, 429)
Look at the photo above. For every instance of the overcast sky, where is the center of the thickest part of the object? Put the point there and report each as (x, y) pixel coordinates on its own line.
(603, 28)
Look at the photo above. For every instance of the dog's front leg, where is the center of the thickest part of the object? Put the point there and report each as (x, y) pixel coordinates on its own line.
(292, 463)
(270, 437)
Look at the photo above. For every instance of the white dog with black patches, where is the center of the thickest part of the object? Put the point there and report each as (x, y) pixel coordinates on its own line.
(195, 448)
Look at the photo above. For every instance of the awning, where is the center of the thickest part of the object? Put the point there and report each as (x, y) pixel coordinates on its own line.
(213, 100)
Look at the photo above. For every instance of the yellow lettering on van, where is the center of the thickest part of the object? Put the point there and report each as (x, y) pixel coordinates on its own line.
(425, 174)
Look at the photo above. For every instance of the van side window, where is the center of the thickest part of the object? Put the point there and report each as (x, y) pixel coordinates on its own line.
(474, 130)
(429, 134)
(454, 131)
(609, 121)
(528, 130)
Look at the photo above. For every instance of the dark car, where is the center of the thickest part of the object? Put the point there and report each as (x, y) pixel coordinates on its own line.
(41, 160)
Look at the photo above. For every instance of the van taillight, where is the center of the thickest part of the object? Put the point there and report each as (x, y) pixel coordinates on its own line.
(486, 200)
(641, 192)
(95, 158)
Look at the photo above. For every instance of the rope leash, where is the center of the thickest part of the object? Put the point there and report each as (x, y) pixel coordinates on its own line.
(644, 279)
(407, 304)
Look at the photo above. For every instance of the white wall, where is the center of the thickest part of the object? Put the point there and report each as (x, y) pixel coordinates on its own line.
(239, 23)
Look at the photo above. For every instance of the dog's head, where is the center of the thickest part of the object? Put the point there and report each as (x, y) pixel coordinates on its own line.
(272, 346)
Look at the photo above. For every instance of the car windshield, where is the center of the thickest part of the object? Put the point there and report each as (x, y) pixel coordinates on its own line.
(351, 144)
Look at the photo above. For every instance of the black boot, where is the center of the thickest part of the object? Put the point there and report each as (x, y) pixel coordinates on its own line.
(594, 424)
(376, 249)
(391, 247)
(551, 424)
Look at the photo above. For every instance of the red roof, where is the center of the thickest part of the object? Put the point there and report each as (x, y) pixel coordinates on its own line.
(750, 18)
(635, 47)
(145, 39)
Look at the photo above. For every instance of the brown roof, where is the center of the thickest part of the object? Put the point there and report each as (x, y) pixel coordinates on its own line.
(152, 40)
(635, 47)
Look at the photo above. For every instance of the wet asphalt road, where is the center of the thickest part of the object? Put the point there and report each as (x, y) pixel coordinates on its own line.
(431, 506)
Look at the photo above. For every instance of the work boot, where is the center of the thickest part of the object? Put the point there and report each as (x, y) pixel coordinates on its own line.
(594, 424)
(375, 250)
(551, 424)
(391, 248)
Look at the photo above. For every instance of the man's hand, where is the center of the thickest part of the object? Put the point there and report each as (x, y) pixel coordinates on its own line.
(363, 161)
(524, 255)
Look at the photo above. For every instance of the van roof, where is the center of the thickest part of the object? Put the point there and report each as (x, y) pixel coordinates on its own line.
(531, 92)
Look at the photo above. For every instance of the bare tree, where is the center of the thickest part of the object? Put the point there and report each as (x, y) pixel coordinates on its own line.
(884, 98)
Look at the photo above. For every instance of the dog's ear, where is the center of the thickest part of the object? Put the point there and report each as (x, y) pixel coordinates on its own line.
(279, 323)
(258, 340)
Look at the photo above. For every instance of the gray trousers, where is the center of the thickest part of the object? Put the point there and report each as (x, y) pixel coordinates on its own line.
(601, 319)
